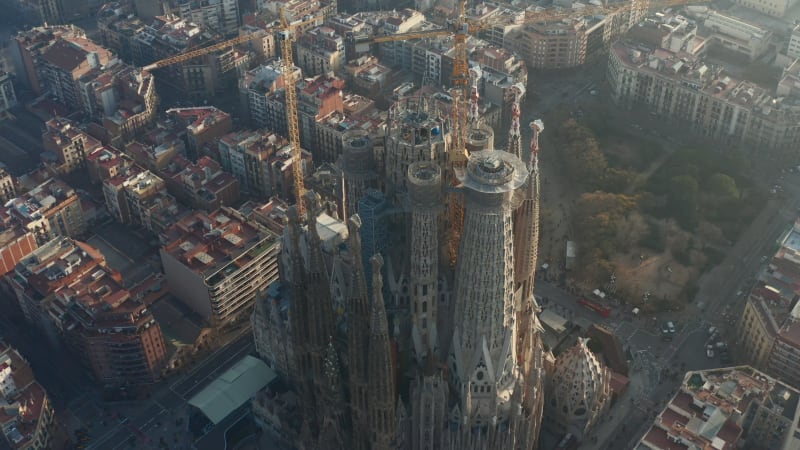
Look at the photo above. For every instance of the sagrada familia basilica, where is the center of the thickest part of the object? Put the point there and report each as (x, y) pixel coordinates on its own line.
(411, 332)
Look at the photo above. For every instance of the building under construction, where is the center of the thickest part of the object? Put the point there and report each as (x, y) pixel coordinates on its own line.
(416, 131)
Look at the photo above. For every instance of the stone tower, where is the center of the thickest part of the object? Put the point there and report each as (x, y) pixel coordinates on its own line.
(357, 305)
(429, 412)
(484, 365)
(425, 195)
(530, 348)
(416, 131)
(311, 315)
(580, 391)
(382, 395)
(480, 135)
(358, 167)
(514, 134)
(526, 238)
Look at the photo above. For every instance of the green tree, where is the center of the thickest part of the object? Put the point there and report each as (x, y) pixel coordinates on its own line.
(581, 154)
(723, 187)
(682, 200)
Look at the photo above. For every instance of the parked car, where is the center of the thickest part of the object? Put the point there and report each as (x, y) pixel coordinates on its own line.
(710, 351)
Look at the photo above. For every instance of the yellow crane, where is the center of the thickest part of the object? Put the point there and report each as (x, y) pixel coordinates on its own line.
(285, 32)
(460, 28)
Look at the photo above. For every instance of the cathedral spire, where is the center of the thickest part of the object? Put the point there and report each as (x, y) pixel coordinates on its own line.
(383, 425)
(514, 135)
(357, 335)
(332, 415)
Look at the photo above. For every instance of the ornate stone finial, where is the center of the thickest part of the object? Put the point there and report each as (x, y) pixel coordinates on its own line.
(354, 235)
(313, 203)
(377, 265)
(331, 364)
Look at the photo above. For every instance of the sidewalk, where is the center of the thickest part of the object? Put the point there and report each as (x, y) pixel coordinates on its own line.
(630, 404)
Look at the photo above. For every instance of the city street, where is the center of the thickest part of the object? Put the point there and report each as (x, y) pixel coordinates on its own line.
(155, 418)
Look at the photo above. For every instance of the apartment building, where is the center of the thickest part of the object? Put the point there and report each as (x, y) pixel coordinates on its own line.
(265, 46)
(570, 42)
(682, 87)
(199, 78)
(8, 98)
(106, 162)
(775, 8)
(26, 52)
(727, 408)
(259, 87)
(40, 273)
(317, 98)
(201, 185)
(27, 417)
(271, 214)
(251, 157)
(320, 51)
(156, 154)
(219, 16)
(220, 261)
(737, 34)
(501, 35)
(8, 186)
(553, 45)
(161, 211)
(87, 77)
(49, 210)
(51, 11)
(138, 190)
(112, 332)
(69, 144)
(769, 330)
(125, 98)
(118, 26)
(368, 76)
(203, 125)
(794, 43)
(65, 61)
(330, 132)
(15, 244)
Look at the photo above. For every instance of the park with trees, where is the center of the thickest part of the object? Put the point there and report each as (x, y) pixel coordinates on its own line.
(653, 214)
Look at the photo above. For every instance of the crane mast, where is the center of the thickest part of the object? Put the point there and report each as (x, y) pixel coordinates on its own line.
(292, 126)
(460, 29)
(458, 152)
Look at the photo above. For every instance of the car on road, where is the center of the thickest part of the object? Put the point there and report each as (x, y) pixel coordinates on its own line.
(665, 332)
(671, 327)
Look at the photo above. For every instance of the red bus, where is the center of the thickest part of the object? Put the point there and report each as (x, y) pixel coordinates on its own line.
(603, 310)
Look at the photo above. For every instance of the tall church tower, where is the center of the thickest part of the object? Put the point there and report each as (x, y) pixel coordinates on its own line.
(358, 337)
(382, 395)
(425, 193)
(311, 314)
(530, 348)
(484, 364)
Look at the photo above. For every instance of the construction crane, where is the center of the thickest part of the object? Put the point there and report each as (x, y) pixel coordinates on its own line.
(460, 28)
(276, 27)
(285, 32)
